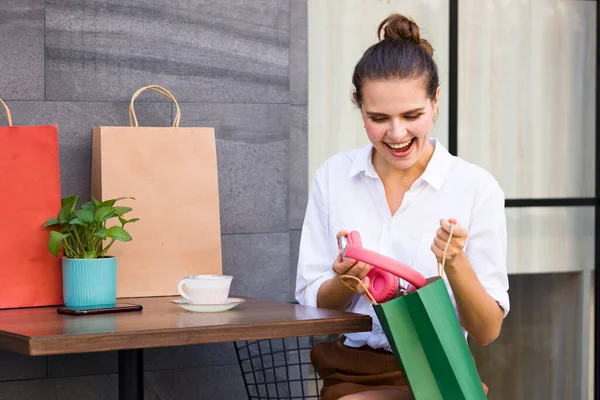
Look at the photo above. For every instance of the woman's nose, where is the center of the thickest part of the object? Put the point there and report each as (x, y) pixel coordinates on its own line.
(397, 131)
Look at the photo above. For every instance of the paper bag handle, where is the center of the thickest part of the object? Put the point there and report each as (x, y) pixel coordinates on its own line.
(160, 90)
(7, 113)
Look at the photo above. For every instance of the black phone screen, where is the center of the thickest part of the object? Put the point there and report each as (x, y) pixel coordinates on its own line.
(99, 309)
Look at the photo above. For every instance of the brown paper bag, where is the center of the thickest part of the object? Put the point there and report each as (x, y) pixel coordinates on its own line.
(172, 174)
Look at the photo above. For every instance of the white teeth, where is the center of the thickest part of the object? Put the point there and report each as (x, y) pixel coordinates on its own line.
(400, 145)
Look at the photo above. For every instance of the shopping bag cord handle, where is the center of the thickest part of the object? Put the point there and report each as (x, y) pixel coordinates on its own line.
(160, 90)
(370, 297)
(7, 113)
(367, 294)
(442, 267)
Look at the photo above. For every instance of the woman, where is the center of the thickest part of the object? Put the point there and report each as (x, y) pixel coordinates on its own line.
(402, 192)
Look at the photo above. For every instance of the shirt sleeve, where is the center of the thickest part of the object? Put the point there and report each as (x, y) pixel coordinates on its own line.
(317, 249)
(487, 242)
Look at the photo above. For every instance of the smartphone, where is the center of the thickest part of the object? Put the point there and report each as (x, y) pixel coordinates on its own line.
(99, 309)
(343, 245)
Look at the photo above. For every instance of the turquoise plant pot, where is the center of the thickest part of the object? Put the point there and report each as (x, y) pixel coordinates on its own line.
(89, 282)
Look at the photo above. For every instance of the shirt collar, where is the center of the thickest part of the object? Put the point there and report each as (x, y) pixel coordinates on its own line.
(438, 166)
(434, 173)
(363, 162)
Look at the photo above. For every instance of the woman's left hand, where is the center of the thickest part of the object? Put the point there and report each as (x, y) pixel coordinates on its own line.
(455, 248)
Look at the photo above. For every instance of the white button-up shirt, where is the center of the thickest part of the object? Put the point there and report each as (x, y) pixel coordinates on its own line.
(347, 194)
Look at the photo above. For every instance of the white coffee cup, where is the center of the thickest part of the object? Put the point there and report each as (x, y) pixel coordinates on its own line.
(205, 289)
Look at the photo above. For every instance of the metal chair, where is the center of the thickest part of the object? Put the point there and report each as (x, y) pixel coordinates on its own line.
(275, 369)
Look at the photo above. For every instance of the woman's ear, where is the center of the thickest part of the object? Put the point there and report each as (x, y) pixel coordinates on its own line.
(355, 100)
(436, 99)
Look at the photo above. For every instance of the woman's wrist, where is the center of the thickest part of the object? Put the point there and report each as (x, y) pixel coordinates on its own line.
(458, 263)
(342, 289)
(334, 294)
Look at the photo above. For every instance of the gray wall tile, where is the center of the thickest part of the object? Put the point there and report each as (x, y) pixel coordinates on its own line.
(82, 364)
(159, 385)
(259, 264)
(214, 383)
(225, 52)
(252, 147)
(22, 50)
(98, 387)
(75, 122)
(299, 52)
(190, 356)
(298, 192)
(16, 366)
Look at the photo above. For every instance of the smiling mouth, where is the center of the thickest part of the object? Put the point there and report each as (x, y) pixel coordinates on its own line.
(401, 149)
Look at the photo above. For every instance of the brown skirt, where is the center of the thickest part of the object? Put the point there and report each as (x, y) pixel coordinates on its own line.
(347, 370)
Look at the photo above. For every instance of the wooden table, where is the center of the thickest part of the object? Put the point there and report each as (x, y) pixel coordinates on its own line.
(42, 331)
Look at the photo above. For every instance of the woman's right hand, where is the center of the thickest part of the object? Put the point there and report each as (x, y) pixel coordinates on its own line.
(333, 293)
(351, 267)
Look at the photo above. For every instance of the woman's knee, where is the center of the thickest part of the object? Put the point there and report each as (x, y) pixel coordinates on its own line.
(390, 394)
(356, 396)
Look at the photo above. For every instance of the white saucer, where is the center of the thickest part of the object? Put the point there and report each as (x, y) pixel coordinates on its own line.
(228, 304)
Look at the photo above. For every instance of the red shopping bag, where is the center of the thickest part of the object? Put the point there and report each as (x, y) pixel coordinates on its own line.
(30, 185)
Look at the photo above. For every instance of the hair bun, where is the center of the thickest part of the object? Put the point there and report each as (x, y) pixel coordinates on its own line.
(399, 27)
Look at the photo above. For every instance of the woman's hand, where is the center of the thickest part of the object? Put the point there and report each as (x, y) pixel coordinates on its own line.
(478, 312)
(333, 293)
(351, 267)
(456, 245)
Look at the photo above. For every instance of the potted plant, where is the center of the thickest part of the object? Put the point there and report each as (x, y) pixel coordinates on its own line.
(89, 274)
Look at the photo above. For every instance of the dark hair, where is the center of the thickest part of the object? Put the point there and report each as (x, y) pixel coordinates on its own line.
(402, 54)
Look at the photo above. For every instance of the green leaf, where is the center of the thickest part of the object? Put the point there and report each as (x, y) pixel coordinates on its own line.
(118, 233)
(51, 222)
(124, 198)
(85, 215)
(111, 202)
(69, 200)
(95, 201)
(89, 254)
(122, 210)
(77, 221)
(55, 241)
(107, 203)
(125, 221)
(68, 206)
(89, 206)
(102, 233)
(104, 213)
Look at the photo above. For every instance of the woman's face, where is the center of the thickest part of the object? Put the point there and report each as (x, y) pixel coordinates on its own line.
(398, 117)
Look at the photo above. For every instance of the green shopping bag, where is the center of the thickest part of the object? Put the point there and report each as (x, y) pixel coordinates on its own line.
(427, 340)
(432, 353)
(423, 331)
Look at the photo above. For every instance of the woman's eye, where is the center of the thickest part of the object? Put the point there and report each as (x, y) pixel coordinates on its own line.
(412, 117)
(378, 120)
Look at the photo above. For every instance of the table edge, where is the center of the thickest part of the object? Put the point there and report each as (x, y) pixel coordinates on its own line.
(98, 342)
(15, 342)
